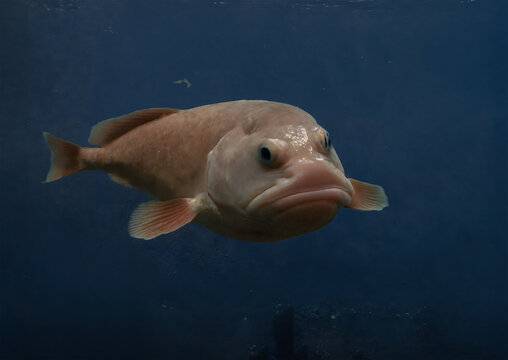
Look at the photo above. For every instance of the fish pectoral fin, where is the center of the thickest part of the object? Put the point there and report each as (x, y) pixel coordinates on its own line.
(367, 196)
(154, 218)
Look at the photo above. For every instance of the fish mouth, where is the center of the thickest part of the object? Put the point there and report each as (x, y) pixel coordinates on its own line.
(276, 198)
(332, 194)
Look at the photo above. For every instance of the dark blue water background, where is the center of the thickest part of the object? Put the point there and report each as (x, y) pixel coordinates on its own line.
(414, 94)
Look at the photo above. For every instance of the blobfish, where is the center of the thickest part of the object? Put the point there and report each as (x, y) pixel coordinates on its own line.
(251, 170)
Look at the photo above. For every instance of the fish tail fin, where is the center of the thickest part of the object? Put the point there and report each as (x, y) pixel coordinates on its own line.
(65, 158)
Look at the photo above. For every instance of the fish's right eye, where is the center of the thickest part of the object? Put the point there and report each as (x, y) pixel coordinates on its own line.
(265, 155)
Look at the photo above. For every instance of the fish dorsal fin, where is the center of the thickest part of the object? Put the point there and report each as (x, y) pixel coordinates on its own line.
(155, 218)
(108, 130)
(367, 196)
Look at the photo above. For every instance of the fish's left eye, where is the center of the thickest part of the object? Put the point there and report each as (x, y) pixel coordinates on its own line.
(327, 142)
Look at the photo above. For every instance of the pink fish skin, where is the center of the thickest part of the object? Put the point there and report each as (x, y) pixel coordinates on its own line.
(251, 169)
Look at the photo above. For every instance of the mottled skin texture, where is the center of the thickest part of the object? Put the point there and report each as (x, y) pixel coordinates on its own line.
(165, 157)
(210, 158)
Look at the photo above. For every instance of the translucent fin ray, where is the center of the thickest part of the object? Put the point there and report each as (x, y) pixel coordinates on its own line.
(367, 196)
(155, 218)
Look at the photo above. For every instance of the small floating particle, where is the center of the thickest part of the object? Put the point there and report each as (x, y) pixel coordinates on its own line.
(183, 81)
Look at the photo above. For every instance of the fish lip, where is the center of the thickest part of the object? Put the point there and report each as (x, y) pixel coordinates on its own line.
(332, 193)
(255, 202)
(297, 196)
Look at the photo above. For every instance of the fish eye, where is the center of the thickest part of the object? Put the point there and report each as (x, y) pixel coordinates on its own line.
(327, 142)
(265, 155)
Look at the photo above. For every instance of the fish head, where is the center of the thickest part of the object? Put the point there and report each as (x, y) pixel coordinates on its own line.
(276, 178)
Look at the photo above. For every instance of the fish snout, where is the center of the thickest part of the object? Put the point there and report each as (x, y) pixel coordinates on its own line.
(305, 183)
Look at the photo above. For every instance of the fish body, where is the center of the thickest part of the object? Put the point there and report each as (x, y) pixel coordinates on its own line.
(250, 169)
